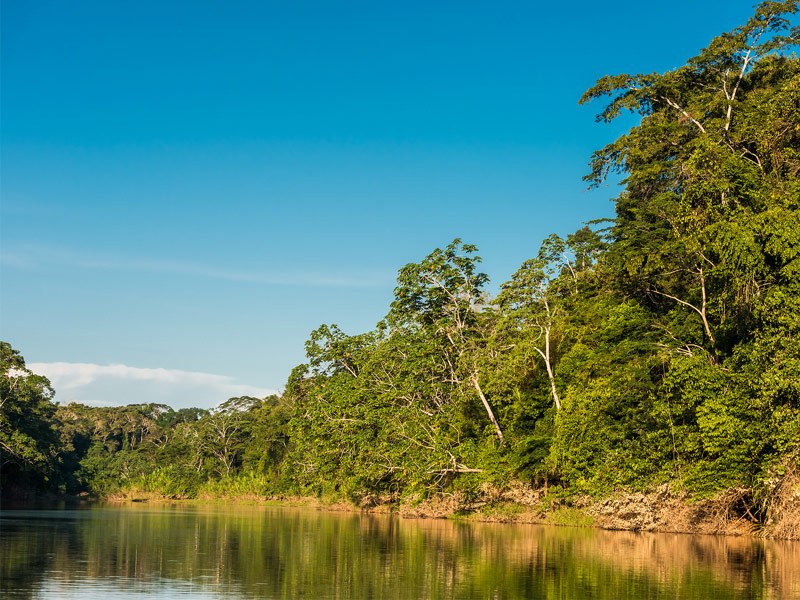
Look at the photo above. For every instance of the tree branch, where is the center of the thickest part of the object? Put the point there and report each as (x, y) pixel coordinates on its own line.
(699, 311)
(677, 106)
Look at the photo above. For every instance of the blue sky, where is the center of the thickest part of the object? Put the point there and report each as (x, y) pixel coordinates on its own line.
(189, 188)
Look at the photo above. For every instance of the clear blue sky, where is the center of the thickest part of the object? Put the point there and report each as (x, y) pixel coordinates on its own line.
(195, 186)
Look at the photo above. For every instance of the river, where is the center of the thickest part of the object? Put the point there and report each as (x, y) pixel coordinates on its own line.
(240, 552)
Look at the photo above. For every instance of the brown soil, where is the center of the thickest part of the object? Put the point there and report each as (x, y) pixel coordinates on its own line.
(727, 513)
(518, 503)
(659, 510)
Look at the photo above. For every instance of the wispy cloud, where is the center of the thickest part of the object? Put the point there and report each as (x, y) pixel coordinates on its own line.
(110, 385)
(37, 257)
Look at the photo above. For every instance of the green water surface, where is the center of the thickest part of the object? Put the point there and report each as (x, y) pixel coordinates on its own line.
(234, 551)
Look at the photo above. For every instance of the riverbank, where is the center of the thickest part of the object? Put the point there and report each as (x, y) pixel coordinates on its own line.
(731, 512)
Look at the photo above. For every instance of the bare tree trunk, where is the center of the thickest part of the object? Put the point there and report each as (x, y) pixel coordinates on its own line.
(487, 407)
(545, 354)
(552, 382)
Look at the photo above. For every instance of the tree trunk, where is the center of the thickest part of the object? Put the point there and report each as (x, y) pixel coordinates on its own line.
(546, 356)
(487, 407)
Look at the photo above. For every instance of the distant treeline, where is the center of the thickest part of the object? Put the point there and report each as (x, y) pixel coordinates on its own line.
(660, 346)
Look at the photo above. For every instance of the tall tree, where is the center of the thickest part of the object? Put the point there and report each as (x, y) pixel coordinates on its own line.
(443, 294)
(707, 227)
(713, 160)
(28, 440)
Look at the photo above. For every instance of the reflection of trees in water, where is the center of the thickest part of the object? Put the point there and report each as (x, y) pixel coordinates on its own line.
(257, 552)
(782, 568)
(598, 564)
(27, 551)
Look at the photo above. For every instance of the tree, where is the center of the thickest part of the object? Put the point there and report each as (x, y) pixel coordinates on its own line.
(443, 295)
(527, 302)
(714, 155)
(28, 441)
(225, 431)
(531, 301)
(707, 223)
(269, 435)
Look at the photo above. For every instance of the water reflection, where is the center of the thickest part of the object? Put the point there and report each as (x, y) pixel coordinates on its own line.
(266, 552)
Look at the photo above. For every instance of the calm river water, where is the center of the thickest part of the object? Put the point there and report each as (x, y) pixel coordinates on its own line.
(194, 551)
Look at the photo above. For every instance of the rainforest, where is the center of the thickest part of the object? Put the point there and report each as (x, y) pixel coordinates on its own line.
(655, 355)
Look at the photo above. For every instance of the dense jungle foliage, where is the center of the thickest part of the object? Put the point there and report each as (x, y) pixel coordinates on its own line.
(660, 346)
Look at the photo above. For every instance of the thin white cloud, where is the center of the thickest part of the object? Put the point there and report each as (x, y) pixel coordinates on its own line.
(34, 257)
(116, 384)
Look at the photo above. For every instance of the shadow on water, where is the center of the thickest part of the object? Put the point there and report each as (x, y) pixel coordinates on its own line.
(269, 552)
